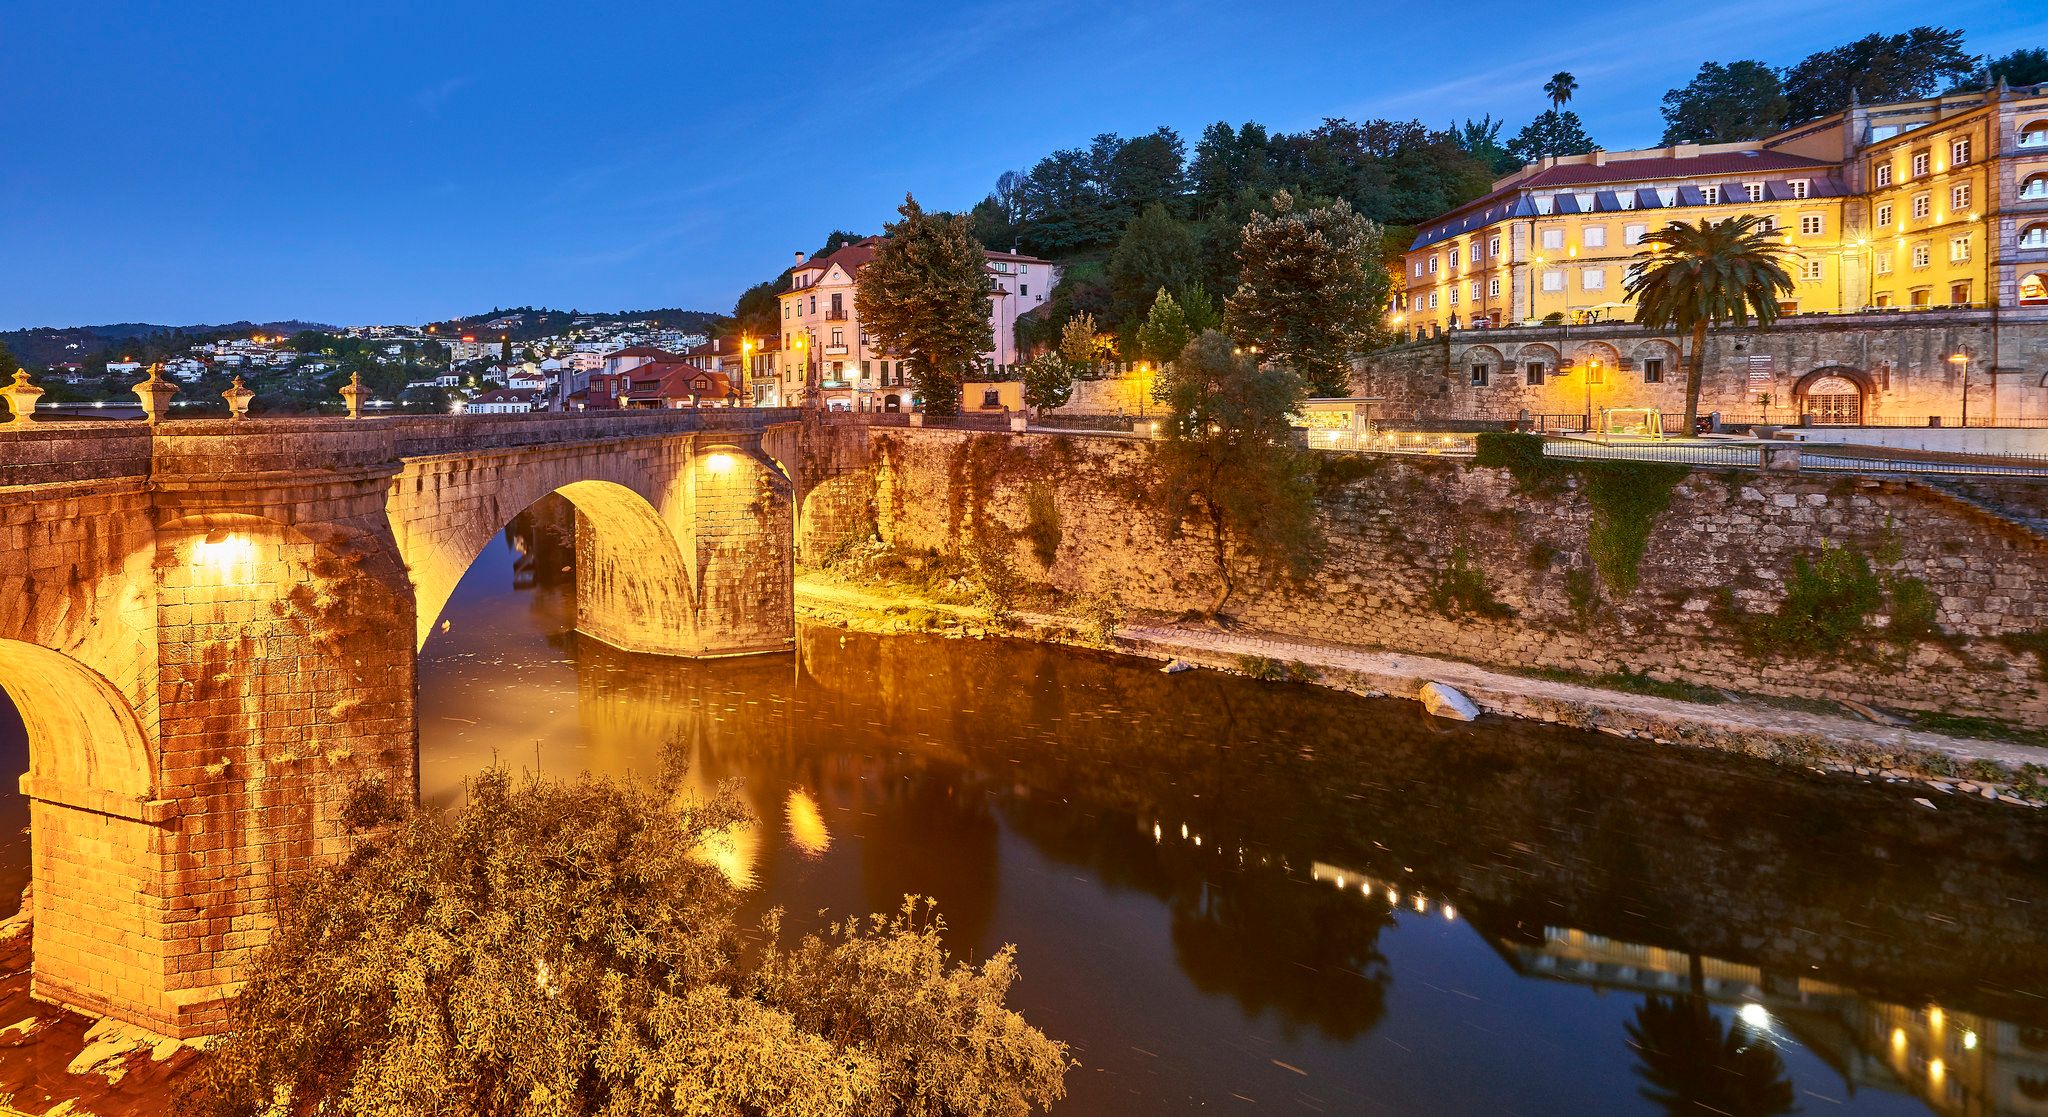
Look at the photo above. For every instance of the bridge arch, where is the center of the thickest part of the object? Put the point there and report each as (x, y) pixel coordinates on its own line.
(95, 831)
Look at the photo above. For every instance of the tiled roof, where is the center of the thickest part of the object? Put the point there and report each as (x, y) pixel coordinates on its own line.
(1731, 169)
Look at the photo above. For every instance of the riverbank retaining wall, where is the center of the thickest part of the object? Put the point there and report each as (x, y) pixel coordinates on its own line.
(1446, 558)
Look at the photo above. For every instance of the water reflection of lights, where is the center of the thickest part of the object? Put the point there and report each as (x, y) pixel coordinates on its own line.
(731, 851)
(1344, 880)
(807, 830)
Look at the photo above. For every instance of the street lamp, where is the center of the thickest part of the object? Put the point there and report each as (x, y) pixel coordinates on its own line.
(1592, 366)
(1962, 362)
(803, 344)
(746, 364)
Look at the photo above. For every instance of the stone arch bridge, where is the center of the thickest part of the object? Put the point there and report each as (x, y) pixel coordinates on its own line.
(211, 628)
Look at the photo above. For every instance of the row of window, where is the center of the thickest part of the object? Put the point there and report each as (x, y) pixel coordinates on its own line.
(1534, 372)
(1959, 252)
(1959, 199)
(1922, 162)
(1595, 236)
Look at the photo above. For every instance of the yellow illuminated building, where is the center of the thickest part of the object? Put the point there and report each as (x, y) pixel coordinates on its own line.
(1938, 202)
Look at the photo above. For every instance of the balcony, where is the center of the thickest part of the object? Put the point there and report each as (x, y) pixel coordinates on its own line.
(836, 314)
(835, 350)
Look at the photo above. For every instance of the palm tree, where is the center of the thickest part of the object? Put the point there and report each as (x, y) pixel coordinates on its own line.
(1560, 88)
(1691, 276)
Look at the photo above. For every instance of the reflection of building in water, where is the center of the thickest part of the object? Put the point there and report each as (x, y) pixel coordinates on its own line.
(1959, 1063)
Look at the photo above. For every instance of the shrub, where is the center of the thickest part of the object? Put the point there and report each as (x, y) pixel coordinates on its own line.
(1521, 455)
(570, 948)
(1042, 523)
(1825, 608)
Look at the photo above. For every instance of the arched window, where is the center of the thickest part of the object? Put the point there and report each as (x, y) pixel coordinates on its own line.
(2035, 188)
(2035, 236)
(2035, 134)
(2034, 289)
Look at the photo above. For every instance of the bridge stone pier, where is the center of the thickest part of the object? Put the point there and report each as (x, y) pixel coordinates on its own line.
(211, 631)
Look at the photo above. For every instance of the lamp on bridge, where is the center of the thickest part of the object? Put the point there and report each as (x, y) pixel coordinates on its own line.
(1962, 362)
(21, 397)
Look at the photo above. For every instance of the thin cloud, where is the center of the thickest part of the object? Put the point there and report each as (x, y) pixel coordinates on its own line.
(433, 97)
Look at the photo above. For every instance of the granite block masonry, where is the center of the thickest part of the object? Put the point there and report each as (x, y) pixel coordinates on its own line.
(1718, 562)
(211, 629)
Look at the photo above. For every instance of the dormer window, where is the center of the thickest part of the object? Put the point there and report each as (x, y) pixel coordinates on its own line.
(1588, 202)
(1710, 195)
(1754, 191)
(1801, 187)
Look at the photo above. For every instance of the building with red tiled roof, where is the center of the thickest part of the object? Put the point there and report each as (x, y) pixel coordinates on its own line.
(674, 382)
(1935, 202)
(826, 358)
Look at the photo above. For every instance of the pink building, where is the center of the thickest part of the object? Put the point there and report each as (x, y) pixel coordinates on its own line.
(826, 356)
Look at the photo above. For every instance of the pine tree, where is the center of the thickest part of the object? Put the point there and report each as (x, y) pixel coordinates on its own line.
(1165, 332)
(1311, 291)
(925, 298)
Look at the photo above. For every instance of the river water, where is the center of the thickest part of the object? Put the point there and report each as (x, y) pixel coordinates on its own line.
(1238, 896)
(1231, 895)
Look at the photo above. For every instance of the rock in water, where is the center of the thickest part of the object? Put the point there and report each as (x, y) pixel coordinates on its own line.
(1175, 667)
(1444, 701)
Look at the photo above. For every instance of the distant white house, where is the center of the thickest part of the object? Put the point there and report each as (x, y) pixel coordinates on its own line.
(186, 369)
(123, 368)
(504, 401)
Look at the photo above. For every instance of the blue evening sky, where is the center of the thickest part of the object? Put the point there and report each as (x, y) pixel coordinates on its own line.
(383, 162)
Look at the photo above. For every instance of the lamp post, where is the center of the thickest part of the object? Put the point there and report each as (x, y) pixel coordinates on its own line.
(1592, 366)
(1962, 362)
(803, 345)
(746, 364)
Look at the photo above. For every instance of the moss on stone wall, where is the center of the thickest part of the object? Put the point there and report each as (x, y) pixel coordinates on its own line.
(1627, 498)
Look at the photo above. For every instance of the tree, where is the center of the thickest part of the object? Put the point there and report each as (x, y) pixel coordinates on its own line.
(1165, 332)
(1690, 1063)
(1156, 250)
(1560, 88)
(1875, 69)
(1690, 276)
(1048, 382)
(1481, 140)
(758, 311)
(1079, 343)
(925, 296)
(1311, 291)
(1725, 104)
(572, 948)
(7, 362)
(1552, 133)
(2025, 66)
(1229, 462)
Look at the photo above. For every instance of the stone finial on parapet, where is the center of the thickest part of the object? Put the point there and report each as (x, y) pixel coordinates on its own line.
(155, 394)
(21, 397)
(352, 395)
(238, 398)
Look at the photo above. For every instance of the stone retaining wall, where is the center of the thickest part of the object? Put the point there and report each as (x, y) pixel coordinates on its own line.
(1718, 559)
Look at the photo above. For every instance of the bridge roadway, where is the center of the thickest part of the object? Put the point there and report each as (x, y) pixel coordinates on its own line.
(211, 629)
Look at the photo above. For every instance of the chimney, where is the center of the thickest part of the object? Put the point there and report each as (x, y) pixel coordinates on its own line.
(1685, 151)
(799, 259)
(1600, 157)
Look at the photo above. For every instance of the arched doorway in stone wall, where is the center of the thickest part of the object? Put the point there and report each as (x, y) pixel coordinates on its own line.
(1833, 397)
(2034, 289)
